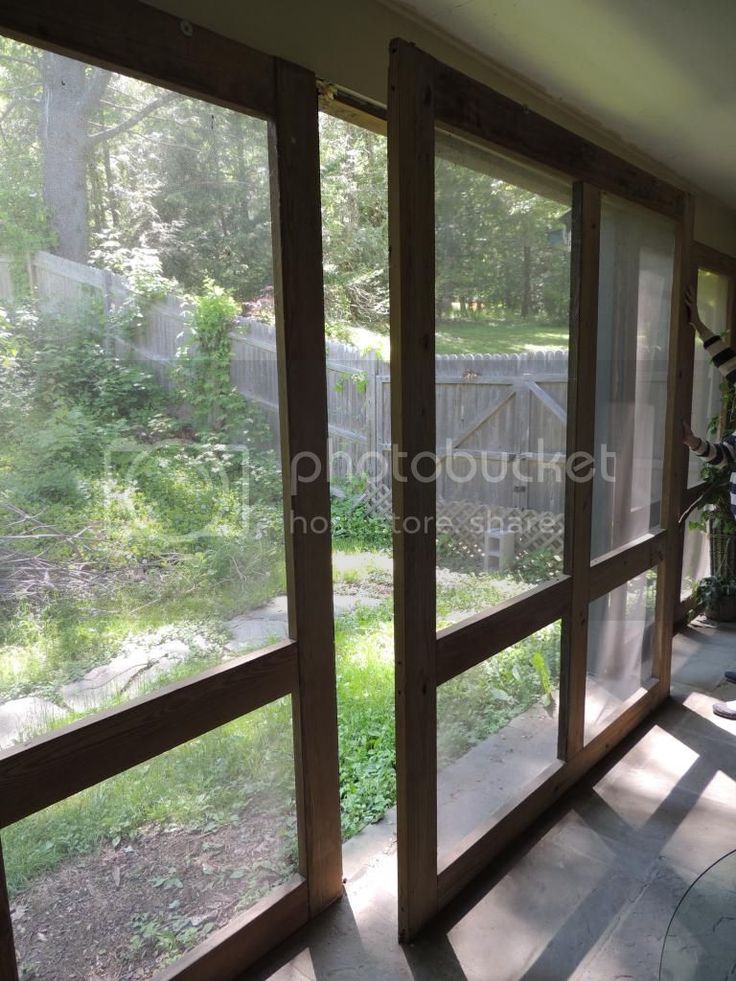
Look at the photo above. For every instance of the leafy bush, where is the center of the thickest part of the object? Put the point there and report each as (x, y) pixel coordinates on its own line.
(537, 567)
(204, 364)
(66, 363)
(354, 525)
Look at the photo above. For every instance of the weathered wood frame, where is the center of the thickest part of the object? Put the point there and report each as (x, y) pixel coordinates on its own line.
(132, 37)
(423, 95)
(710, 259)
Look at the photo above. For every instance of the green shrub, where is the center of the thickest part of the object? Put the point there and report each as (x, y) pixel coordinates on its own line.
(539, 566)
(354, 525)
(204, 364)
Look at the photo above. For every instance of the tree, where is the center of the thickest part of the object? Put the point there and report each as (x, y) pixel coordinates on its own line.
(354, 222)
(70, 97)
(493, 244)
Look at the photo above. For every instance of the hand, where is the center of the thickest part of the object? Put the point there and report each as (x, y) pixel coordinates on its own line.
(688, 436)
(691, 306)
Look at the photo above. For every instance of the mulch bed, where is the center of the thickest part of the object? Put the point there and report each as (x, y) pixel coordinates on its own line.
(121, 913)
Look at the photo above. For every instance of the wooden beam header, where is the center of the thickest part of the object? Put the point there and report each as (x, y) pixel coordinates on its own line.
(711, 259)
(465, 104)
(151, 45)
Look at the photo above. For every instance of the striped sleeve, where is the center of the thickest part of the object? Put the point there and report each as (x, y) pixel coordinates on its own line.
(719, 454)
(722, 356)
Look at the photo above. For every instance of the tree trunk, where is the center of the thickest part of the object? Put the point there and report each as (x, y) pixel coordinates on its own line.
(70, 96)
(112, 200)
(526, 282)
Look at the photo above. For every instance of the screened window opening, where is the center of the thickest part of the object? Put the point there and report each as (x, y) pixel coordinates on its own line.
(502, 292)
(140, 480)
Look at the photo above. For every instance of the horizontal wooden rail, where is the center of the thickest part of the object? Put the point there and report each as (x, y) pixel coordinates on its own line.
(471, 107)
(62, 763)
(714, 261)
(466, 644)
(490, 841)
(227, 952)
(625, 563)
(148, 44)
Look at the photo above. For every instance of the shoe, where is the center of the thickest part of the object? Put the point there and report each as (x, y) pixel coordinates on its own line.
(726, 710)
(730, 676)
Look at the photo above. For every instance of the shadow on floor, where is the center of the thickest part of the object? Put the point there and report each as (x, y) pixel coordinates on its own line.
(590, 890)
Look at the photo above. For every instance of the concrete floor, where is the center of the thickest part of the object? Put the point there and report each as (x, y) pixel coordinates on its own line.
(591, 892)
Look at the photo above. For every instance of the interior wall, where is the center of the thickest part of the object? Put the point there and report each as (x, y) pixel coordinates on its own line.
(346, 42)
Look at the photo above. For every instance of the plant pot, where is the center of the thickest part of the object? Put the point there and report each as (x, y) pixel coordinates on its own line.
(722, 554)
(723, 609)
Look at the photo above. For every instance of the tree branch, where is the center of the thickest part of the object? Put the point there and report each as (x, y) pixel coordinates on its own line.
(112, 131)
(97, 82)
(19, 61)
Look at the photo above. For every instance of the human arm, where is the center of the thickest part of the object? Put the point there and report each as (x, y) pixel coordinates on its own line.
(722, 356)
(719, 454)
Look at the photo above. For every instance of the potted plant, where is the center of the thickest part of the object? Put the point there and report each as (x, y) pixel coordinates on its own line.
(715, 517)
(717, 520)
(716, 596)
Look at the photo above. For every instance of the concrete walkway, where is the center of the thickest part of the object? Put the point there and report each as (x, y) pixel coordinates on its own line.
(591, 893)
(141, 662)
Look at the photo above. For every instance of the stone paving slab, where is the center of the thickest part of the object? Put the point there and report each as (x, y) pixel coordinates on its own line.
(24, 717)
(108, 680)
(139, 664)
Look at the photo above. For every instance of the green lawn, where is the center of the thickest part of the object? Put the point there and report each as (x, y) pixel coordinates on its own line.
(483, 336)
(497, 336)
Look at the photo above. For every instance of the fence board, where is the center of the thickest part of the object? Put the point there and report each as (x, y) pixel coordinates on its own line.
(498, 409)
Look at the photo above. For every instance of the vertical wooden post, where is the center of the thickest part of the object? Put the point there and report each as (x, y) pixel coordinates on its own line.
(730, 305)
(682, 607)
(297, 232)
(8, 964)
(412, 271)
(679, 404)
(585, 262)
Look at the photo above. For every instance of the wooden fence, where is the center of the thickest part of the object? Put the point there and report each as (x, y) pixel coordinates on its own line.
(501, 416)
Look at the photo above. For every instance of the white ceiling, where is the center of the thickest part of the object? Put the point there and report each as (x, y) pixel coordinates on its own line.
(660, 74)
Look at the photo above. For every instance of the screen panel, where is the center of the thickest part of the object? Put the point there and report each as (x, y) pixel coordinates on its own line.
(241, 471)
(621, 635)
(496, 733)
(713, 293)
(696, 555)
(155, 859)
(355, 237)
(140, 483)
(634, 311)
(502, 289)
(421, 92)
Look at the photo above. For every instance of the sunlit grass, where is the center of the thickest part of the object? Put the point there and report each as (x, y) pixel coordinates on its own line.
(201, 785)
(486, 336)
(480, 336)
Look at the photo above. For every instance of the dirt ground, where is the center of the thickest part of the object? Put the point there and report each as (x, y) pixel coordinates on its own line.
(120, 914)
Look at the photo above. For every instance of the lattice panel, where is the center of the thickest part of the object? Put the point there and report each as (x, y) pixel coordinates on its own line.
(377, 497)
(467, 522)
